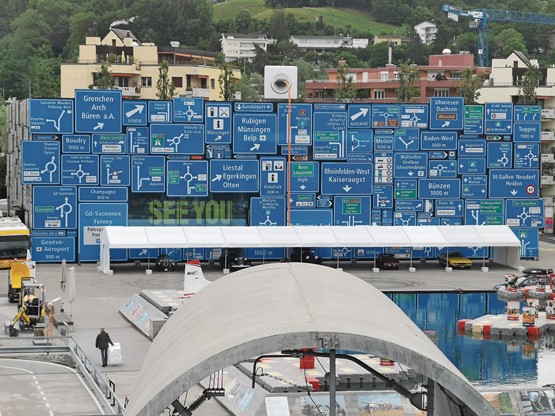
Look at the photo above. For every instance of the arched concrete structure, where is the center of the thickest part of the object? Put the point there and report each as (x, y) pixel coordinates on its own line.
(282, 306)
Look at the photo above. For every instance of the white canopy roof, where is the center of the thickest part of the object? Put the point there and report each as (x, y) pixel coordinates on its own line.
(310, 236)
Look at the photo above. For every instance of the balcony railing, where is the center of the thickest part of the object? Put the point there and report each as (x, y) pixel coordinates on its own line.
(547, 180)
(547, 135)
(129, 91)
(548, 113)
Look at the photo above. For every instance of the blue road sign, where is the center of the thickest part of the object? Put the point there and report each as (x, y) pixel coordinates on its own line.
(254, 134)
(500, 155)
(254, 107)
(221, 151)
(267, 211)
(160, 111)
(473, 119)
(513, 183)
(92, 220)
(109, 143)
(406, 140)
(525, 213)
(295, 150)
(114, 170)
(368, 252)
(305, 177)
(442, 168)
(527, 112)
(143, 253)
(347, 179)
(404, 218)
(387, 217)
(40, 162)
(413, 205)
(527, 131)
(234, 176)
(383, 141)
(44, 137)
(330, 141)
(484, 212)
(529, 242)
(386, 116)
(441, 154)
(439, 188)
(449, 208)
(185, 139)
(471, 165)
(311, 217)
(438, 140)
(103, 194)
(324, 201)
(360, 116)
(472, 147)
(134, 113)
(55, 207)
(188, 110)
(218, 123)
(51, 116)
(187, 178)
(527, 155)
(446, 113)
(382, 196)
(76, 143)
(405, 188)
(300, 127)
(359, 141)
(53, 249)
(303, 200)
(272, 176)
(148, 173)
(424, 253)
(98, 111)
(451, 220)
(383, 168)
(329, 107)
(415, 115)
(139, 140)
(352, 210)
(79, 170)
(474, 252)
(474, 186)
(499, 118)
(410, 165)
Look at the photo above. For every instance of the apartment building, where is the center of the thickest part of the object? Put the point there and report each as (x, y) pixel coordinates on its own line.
(240, 47)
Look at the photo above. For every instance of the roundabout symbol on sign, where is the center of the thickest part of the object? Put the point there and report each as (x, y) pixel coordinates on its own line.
(530, 189)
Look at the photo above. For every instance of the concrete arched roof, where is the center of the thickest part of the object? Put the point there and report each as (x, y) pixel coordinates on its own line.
(281, 306)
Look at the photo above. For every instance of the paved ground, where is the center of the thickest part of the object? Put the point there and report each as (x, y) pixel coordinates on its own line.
(100, 296)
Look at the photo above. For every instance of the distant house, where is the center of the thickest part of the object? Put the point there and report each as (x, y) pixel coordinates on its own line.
(393, 39)
(239, 47)
(322, 43)
(426, 31)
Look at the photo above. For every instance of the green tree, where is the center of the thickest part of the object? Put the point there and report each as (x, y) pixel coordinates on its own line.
(104, 79)
(346, 90)
(469, 85)
(164, 85)
(530, 81)
(507, 41)
(243, 21)
(251, 87)
(228, 82)
(408, 75)
(44, 74)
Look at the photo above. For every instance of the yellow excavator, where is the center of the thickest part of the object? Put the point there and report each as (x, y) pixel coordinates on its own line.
(20, 271)
(31, 308)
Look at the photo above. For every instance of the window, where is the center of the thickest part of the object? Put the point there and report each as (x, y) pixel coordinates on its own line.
(146, 81)
(121, 82)
(212, 83)
(177, 81)
(203, 83)
(441, 92)
(379, 94)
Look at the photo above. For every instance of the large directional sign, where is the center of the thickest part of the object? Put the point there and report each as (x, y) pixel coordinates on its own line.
(40, 162)
(148, 174)
(218, 123)
(438, 140)
(267, 211)
(471, 165)
(406, 140)
(449, 208)
(499, 118)
(410, 165)
(52, 249)
(134, 113)
(527, 131)
(473, 119)
(513, 183)
(139, 140)
(527, 112)
(500, 155)
(305, 177)
(186, 139)
(188, 110)
(114, 170)
(79, 170)
(474, 186)
(446, 113)
(359, 116)
(415, 115)
(160, 111)
(351, 179)
(300, 126)
(439, 188)
(234, 175)
(254, 134)
(352, 210)
(187, 178)
(98, 111)
(330, 141)
(383, 197)
(386, 116)
(109, 143)
(529, 242)
(404, 218)
(484, 212)
(54, 207)
(442, 168)
(272, 176)
(76, 143)
(360, 142)
(526, 156)
(51, 116)
(412, 205)
(103, 194)
(525, 213)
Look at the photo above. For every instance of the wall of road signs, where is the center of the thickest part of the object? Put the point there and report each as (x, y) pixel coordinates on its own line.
(99, 160)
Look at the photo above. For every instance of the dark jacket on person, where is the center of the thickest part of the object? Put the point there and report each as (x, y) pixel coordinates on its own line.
(102, 340)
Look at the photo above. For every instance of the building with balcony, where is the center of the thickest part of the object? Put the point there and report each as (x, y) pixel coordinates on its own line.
(426, 31)
(323, 43)
(135, 67)
(241, 47)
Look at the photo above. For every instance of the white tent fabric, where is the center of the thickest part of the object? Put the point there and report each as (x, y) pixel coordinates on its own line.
(499, 236)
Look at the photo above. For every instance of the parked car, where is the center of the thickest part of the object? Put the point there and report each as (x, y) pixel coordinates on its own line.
(531, 276)
(455, 260)
(387, 261)
(233, 258)
(305, 255)
(164, 263)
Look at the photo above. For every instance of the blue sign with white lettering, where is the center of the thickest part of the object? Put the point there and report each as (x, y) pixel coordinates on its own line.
(446, 113)
(295, 150)
(438, 140)
(383, 142)
(55, 207)
(442, 168)
(114, 170)
(221, 151)
(160, 111)
(383, 196)
(471, 165)
(305, 177)
(53, 249)
(386, 116)
(527, 112)
(527, 131)
(51, 116)
(311, 217)
(109, 143)
(474, 186)
(472, 147)
(254, 134)
(267, 211)
(143, 253)
(449, 208)
(98, 111)
(529, 242)
(300, 126)
(79, 170)
(513, 183)
(499, 118)
(484, 212)
(188, 110)
(415, 115)
(352, 210)
(404, 218)
(40, 162)
(359, 116)
(359, 141)
(185, 139)
(218, 123)
(76, 143)
(272, 176)
(234, 175)
(440, 154)
(527, 155)
(103, 194)
(134, 113)
(406, 188)
(350, 179)
(413, 205)
(500, 155)
(525, 213)
(473, 119)
(148, 173)
(439, 188)
(254, 107)
(324, 201)
(406, 140)
(187, 178)
(330, 141)
(410, 165)
(301, 200)
(139, 140)
(43, 137)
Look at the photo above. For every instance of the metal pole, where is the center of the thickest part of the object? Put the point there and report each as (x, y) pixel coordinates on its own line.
(332, 383)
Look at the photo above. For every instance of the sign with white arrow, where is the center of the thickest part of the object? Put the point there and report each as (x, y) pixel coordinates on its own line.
(446, 113)
(410, 165)
(347, 179)
(254, 133)
(134, 113)
(359, 116)
(98, 111)
(514, 183)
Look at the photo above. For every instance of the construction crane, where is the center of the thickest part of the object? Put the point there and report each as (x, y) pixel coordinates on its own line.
(481, 17)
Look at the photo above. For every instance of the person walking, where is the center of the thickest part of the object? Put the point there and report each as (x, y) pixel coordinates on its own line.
(102, 341)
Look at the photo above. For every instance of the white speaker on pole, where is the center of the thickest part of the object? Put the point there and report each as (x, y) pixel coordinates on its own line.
(278, 80)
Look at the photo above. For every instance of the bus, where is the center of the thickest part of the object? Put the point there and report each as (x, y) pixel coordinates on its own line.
(15, 241)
